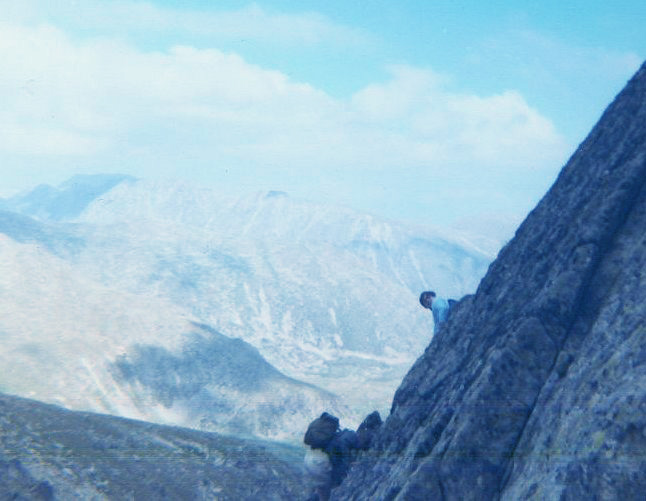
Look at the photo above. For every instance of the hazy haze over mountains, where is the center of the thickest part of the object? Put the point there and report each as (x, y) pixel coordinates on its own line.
(124, 294)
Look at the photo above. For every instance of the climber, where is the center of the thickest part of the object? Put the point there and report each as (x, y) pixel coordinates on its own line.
(439, 306)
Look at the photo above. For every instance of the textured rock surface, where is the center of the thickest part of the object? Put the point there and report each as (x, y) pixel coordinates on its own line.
(49, 453)
(536, 387)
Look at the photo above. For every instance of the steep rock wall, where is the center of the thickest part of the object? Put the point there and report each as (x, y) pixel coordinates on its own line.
(536, 388)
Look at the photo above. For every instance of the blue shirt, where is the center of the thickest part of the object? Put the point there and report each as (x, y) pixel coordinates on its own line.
(440, 309)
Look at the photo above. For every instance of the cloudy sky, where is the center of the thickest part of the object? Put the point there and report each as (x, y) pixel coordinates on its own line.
(452, 113)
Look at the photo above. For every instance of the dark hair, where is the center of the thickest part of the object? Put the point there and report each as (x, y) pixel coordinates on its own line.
(424, 298)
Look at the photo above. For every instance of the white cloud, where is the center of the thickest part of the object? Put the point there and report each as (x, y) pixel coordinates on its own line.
(134, 18)
(34, 140)
(443, 128)
(172, 111)
(568, 58)
(571, 82)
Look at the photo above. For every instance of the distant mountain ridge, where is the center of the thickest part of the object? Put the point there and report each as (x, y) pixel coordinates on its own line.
(65, 201)
(321, 293)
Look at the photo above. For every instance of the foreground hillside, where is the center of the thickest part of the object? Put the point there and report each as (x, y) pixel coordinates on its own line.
(536, 388)
(48, 453)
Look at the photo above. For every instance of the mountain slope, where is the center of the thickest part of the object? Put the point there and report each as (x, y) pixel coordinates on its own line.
(69, 340)
(318, 290)
(536, 388)
(66, 201)
(59, 239)
(321, 292)
(50, 453)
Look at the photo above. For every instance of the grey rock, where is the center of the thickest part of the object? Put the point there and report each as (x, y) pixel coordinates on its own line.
(536, 387)
(49, 453)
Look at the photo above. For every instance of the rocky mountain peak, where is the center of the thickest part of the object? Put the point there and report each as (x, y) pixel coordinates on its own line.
(537, 384)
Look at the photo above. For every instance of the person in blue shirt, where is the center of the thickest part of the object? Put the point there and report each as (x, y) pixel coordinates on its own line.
(439, 306)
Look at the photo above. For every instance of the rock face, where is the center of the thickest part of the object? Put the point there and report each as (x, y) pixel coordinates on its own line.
(48, 453)
(536, 387)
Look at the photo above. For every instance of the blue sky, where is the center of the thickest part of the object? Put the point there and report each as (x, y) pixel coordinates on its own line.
(452, 113)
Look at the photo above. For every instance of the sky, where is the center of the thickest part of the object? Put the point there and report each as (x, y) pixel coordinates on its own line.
(452, 113)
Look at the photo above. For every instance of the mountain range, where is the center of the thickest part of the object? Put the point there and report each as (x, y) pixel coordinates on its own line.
(178, 304)
(535, 387)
